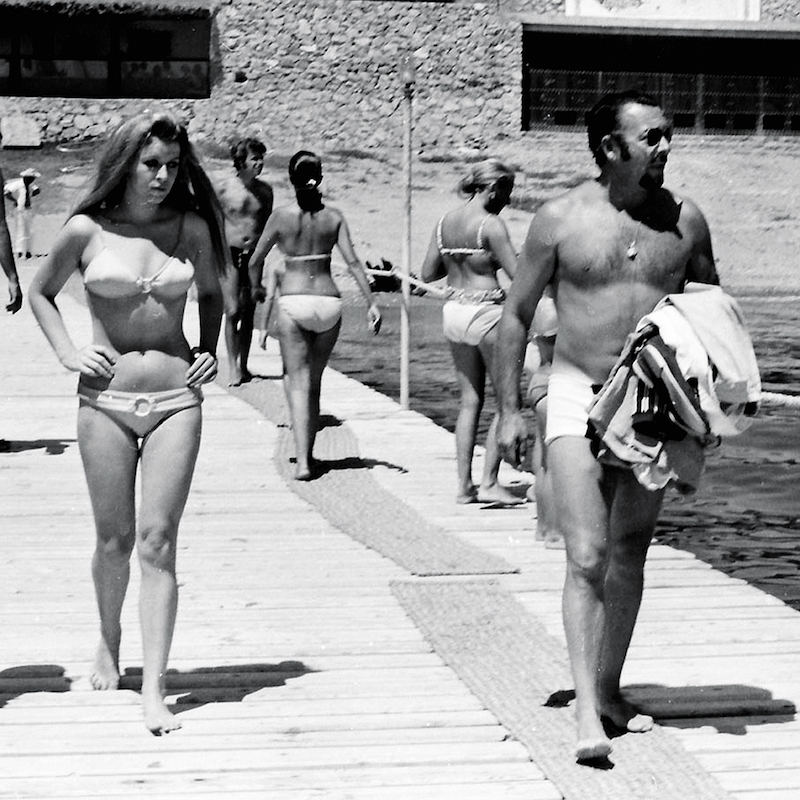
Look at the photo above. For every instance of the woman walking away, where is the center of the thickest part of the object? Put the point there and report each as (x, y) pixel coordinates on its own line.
(309, 305)
(470, 245)
(149, 227)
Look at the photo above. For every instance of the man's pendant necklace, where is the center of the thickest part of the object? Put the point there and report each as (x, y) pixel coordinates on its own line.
(633, 250)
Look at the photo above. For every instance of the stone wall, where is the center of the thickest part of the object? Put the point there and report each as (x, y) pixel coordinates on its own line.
(781, 10)
(323, 74)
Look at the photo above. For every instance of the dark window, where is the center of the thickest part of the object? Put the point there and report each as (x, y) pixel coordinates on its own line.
(706, 83)
(45, 54)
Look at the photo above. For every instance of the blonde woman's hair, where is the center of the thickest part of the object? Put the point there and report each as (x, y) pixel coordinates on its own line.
(483, 174)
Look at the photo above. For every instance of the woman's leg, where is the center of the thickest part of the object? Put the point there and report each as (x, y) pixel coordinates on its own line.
(471, 378)
(490, 491)
(109, 454)
(296, 345)
(321, 348)
(168, 457)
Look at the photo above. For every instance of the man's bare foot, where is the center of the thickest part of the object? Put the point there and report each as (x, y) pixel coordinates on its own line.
(262, 340)
(105, 675)
(495, 493)
(158, 719)
(624, 716)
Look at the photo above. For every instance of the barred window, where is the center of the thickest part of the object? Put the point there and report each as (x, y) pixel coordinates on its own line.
(51, 54)
(705, 83)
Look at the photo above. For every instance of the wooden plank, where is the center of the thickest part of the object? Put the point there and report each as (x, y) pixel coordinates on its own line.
(274, 781)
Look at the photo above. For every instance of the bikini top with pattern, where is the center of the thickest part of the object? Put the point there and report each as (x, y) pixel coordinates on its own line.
(461, 251)
(109, 275)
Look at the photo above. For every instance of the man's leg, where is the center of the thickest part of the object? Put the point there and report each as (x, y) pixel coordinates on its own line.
(582, 515)
(246, 312)
(230, 288)
(634, 512)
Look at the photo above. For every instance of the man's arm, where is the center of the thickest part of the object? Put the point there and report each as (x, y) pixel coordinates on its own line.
(534, 271)
(701, 267)
(7, 260)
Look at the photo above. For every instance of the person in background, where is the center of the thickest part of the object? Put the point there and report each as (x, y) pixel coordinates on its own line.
(543, 341)
(247, 203)
(7, 262)
(309, 305)
(469, 246)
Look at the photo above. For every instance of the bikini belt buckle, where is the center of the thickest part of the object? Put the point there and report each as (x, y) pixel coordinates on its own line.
(142, 405)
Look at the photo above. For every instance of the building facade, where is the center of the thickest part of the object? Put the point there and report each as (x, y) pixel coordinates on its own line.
(325, 73)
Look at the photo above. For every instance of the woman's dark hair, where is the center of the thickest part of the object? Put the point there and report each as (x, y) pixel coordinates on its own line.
(192, 190)
(245, 147)
(603, 117)
(305, 174)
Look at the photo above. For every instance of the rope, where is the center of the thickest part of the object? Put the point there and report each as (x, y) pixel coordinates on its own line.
(428, 287)
(782, 400)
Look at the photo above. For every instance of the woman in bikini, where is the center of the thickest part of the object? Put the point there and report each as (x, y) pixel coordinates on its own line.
(470, 245)
(148, 229)
(309, 305)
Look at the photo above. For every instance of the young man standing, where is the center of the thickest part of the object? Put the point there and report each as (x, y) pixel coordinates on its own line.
(612, 247)
(247, 202)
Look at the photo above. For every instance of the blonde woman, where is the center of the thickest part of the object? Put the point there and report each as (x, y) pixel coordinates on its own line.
(470, 245)
(149, 228)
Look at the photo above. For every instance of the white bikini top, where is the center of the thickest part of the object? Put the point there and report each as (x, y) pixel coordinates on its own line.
(461, 251)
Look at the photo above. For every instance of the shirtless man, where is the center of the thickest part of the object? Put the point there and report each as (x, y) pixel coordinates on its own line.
(612, 247)
(247, 203)
(7, 261)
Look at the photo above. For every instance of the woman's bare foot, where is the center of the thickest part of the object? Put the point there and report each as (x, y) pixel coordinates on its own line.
(470, 495)
(495, 493)
(105, 675)
(624, 716)
(158, 719)
(262, 340)
(593, 749)
(302, 472)
(235, 377)
(593, 743)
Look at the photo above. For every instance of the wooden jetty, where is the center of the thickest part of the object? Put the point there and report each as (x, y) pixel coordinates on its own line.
(296, 670)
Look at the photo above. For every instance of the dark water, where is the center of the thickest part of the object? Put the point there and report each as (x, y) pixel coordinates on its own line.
(745, 520)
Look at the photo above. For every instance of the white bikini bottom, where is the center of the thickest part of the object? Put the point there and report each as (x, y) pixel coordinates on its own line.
(312, 312)
(140, 412)
(468, 323)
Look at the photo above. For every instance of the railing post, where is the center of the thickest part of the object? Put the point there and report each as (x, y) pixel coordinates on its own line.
(408, 78)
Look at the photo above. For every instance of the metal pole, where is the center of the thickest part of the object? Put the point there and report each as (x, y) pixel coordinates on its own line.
(406, 266)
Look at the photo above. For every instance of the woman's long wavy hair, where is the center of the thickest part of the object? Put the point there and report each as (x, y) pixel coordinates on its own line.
(484, 174)
(305, 174)
(192, 190)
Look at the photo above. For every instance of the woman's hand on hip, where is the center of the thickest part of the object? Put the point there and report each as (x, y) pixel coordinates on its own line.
(93, 360)
(202, 370)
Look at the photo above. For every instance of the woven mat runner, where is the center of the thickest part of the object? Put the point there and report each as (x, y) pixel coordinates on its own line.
(512, 665)
(352, 500)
